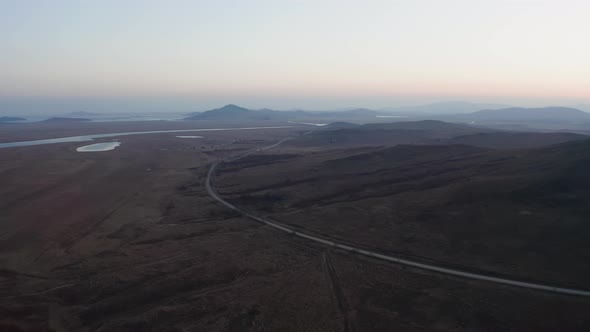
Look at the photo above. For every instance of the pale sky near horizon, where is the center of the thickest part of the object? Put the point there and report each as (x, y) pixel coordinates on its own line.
(273, 51)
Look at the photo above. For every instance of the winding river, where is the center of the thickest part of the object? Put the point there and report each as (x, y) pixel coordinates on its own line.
(85, 138)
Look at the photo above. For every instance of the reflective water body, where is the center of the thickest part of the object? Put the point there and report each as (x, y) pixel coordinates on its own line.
(315, 124)
(189, 136)
(97, 147)
(85, 138)
(311, 123)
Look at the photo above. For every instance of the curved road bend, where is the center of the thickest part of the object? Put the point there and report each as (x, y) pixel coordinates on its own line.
(211, 191)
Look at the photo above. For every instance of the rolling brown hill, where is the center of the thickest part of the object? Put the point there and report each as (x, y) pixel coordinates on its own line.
(375, 134)
(429, 132)
(515, 140)
(521, 213)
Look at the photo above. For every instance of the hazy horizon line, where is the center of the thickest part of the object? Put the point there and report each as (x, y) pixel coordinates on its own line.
(15, 106)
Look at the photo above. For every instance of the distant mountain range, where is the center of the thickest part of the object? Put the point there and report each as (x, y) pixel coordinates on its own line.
(583, 107)
(518, 113)
(81, 114)
(517, 116)
(11, 119)
(451, 107)
(57, 119)
(238, 112)
(491, 115)
(234, 112)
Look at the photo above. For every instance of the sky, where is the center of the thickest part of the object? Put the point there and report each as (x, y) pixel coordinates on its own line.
(296, 54)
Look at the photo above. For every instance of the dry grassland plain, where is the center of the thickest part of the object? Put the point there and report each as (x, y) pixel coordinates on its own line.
(129, 240)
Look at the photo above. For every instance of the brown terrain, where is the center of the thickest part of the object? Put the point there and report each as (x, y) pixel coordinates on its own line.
(129, 240)
(427, 132)
(507, 213)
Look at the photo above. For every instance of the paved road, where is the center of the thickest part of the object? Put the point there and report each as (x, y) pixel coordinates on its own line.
(211, 191)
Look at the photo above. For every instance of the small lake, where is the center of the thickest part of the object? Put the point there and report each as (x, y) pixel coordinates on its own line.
(107, 146)
(310, 123)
